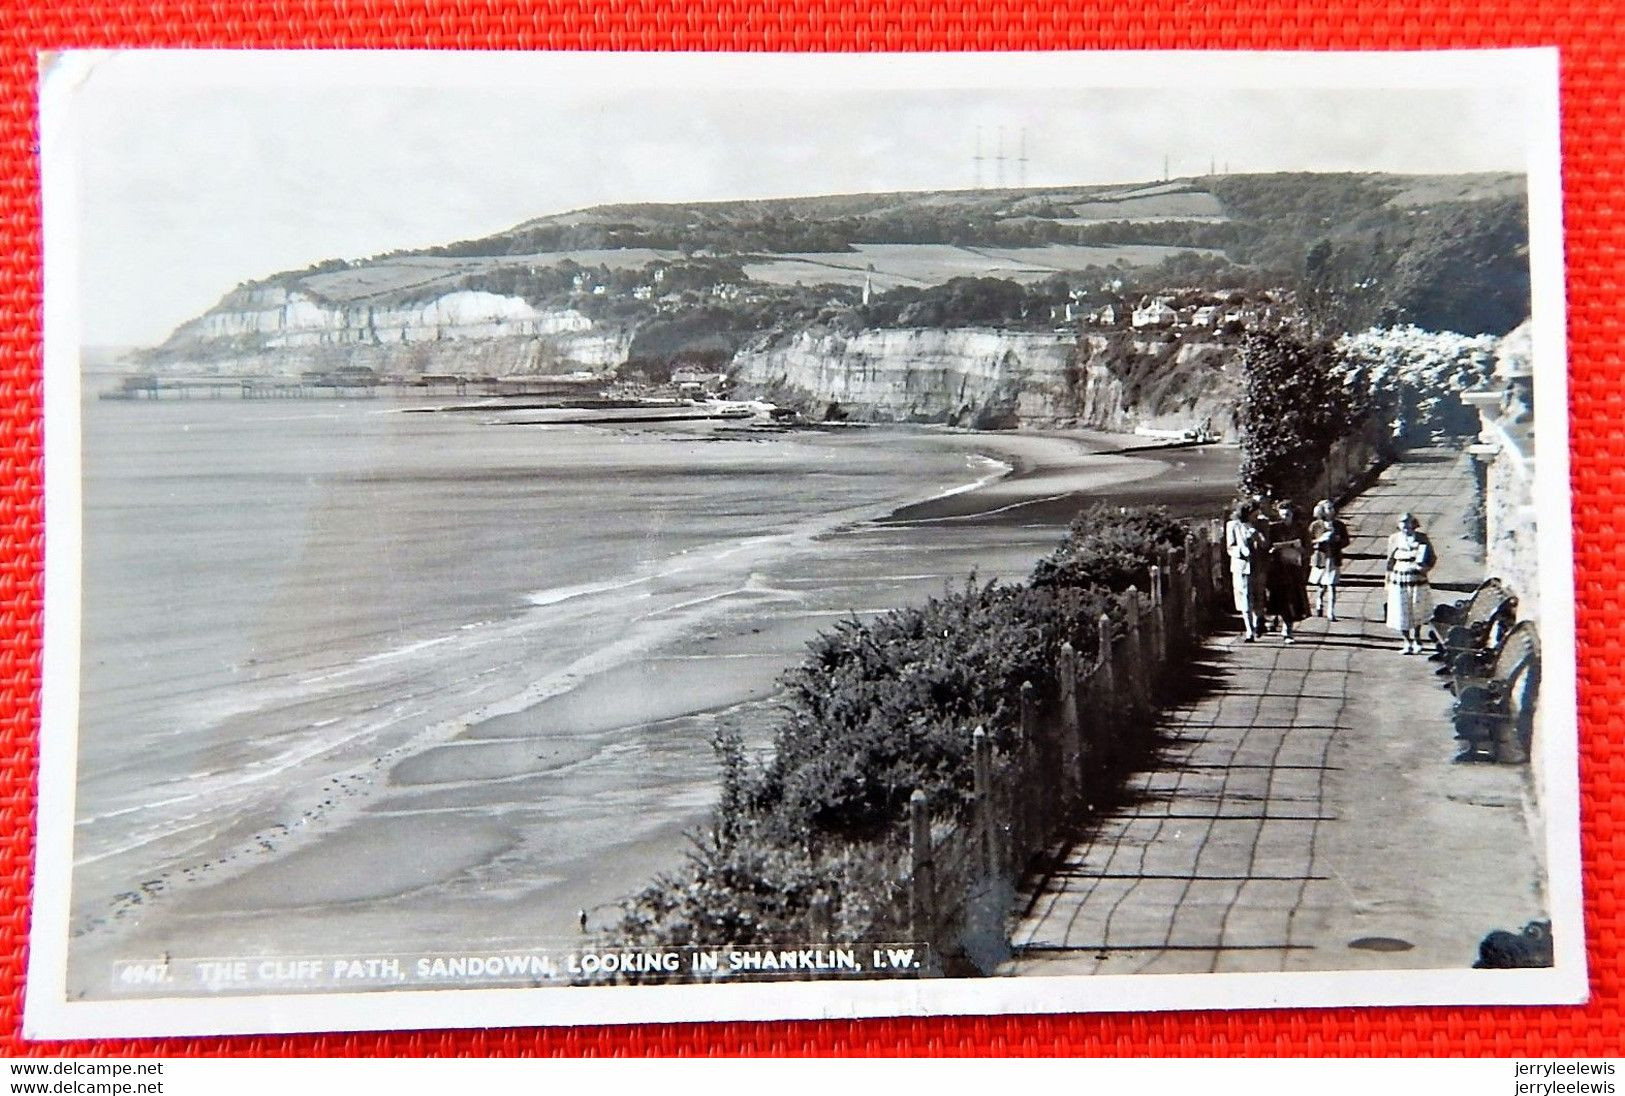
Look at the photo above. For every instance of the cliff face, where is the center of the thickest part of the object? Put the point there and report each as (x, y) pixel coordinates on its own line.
(270, 329)
(978, 377)
(965, 376)
(991, 378)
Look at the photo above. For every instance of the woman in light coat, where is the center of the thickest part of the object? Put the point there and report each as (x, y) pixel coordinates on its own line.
(1249, 552)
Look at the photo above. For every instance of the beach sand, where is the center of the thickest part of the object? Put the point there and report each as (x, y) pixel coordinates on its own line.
(1056, 474)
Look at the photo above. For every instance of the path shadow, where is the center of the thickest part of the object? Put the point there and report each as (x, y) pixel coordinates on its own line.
(1145, 744)
(1351, 642)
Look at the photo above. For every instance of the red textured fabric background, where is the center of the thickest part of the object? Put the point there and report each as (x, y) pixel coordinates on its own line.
(1589, 33)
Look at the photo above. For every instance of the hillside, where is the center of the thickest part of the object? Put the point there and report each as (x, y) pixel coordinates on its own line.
(639, 289)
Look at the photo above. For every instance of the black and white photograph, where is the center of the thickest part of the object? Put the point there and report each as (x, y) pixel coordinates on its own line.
(574, 538)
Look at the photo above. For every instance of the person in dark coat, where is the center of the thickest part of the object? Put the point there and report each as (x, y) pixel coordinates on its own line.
(1287, 589)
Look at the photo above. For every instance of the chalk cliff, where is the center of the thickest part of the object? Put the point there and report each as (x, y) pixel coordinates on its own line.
(992, 378)
(268, 328)
(969, 376)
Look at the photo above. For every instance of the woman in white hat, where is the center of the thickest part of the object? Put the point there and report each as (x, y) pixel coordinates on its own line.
(1410, 558)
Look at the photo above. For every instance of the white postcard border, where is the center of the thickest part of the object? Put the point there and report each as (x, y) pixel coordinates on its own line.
(48, 1015)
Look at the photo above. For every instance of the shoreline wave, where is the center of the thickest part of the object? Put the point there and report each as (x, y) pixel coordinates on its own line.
(365, 778)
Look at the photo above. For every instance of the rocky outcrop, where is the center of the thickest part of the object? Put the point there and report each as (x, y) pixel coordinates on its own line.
(272, 329)
(967, 376)
(994, 378)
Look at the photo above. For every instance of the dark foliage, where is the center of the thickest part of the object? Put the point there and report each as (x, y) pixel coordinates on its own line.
(700, 337)
(1110, 548)
(1466, 269)
(960, 302)
(1294, 406)
(878, 709)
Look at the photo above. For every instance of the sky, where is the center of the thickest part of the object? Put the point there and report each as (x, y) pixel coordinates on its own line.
(193, 173)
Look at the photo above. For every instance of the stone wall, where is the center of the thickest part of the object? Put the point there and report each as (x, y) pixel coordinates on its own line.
(1505, 451)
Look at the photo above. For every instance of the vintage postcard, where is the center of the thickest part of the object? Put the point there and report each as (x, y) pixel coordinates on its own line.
(578, 538)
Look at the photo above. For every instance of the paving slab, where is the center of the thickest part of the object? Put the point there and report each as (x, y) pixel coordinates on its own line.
(1307, 802)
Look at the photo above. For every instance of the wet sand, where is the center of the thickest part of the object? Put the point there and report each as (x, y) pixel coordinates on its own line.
(1051, 483)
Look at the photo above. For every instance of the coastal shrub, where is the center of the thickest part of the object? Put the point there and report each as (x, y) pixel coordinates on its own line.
(735, 892)
(756, 890)
(878, 709)
(883, 707)
(1111, 548)
(744, 881)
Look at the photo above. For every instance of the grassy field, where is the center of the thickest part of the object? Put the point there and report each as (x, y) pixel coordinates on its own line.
(1430, 189)
(1186, 206)
(895, 265)
(413, 274)
(932, 264)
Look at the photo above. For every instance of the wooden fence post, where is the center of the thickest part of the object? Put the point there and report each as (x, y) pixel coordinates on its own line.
(1108, 674)
(1220, 577)
(1071, 723)
(1173, 608)
(1159, 615)
(1192, 614)
(1189, 610)
(1199, 562)
(1029, 713)
(1031, 809)
(1210, 564)
(922, 892)
(982, 774)
(1134, 649)
(1192, 563)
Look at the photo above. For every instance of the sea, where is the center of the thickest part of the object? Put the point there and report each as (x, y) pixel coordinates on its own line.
(360, 677)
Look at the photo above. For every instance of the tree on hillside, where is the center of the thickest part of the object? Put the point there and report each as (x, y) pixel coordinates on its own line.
(1343, 285)
(1466, 269)
(1294, 405)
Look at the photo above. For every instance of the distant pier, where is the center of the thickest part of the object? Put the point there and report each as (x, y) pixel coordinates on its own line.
(346, 383)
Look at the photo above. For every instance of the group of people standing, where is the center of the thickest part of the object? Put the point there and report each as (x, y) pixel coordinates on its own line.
(1284, 570)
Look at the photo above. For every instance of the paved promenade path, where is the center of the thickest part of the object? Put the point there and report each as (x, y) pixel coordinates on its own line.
(1306, 813)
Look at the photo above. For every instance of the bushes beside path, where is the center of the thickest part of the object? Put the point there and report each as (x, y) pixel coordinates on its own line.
(878, 709)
